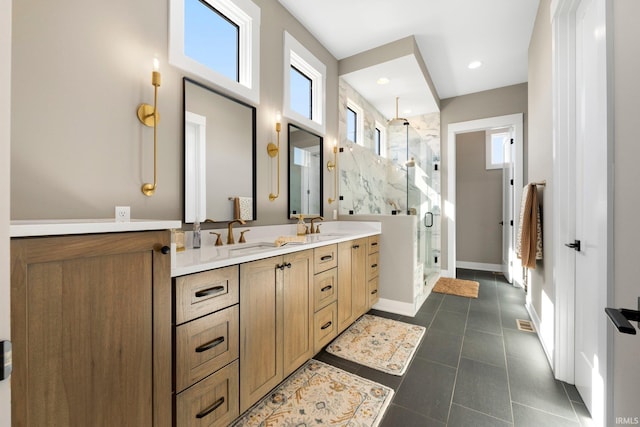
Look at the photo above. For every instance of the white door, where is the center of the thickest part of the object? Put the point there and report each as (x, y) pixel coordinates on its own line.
(508, 220)
(591, 205)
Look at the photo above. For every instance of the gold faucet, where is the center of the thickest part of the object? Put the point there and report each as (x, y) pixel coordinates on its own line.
(313, 229)
(230, 239)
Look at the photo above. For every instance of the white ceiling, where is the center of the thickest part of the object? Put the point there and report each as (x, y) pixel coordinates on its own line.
(449, 33)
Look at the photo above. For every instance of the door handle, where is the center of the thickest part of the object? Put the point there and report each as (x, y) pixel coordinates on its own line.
(575, 245)
(425, 220)
(501, 223)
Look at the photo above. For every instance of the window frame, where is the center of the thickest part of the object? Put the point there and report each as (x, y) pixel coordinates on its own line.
(243, 13)
(300, 58)
(382, 148)
(353, 106)
(489, 164)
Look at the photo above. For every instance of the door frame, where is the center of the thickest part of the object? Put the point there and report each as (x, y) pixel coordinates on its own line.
(512, 120)
(564, 139)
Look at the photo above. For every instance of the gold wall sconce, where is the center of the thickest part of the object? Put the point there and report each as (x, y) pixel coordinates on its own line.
(149, 116)
(332, 166)
(274, 151)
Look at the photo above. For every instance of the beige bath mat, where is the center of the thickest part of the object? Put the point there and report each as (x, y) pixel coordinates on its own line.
(451, 286)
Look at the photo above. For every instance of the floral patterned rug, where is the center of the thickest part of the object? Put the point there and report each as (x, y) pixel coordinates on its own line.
(318, 394)
(383, 344)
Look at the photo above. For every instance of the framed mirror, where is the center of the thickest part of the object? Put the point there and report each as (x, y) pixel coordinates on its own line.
(219, 156)
(305, 172)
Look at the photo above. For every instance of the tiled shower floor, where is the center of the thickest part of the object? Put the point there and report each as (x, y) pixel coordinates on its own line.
(474, 367)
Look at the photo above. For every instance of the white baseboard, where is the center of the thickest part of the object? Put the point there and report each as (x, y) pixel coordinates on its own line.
(478, 266)
(536, 322)
(397, 307)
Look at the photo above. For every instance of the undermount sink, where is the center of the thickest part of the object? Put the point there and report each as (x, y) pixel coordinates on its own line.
(249, 248)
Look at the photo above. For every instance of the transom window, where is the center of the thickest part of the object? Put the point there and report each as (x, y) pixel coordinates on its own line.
(494, 145)
(211, 38)
(355, 123)
(304, 85)
(380, 140)
(301, 93)
(219, 41)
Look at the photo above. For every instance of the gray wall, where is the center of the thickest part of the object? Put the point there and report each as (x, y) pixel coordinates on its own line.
(478, 203)
(80, 69)
(480, 105)
(5, 115)
(539, 155)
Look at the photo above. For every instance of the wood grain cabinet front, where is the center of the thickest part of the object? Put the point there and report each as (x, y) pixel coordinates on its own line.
(325, 258)
(325, 326)
(213, 402)
(206, 345)
(202, 293)
(325, 288)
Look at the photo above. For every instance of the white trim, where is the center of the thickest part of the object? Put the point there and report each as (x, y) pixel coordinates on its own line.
(195, 177)
(515, 120)
(243, 13)
(538, 324)
(295, 54)
(479, 266)
(397, 307)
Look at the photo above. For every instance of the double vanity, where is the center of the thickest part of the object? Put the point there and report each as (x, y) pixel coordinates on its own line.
(248, 315)
(109, 322)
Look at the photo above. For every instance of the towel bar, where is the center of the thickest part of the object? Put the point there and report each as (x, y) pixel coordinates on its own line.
(621, 317)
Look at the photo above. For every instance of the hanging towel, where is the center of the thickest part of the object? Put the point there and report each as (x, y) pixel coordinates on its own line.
(243, 208)
(529, 239)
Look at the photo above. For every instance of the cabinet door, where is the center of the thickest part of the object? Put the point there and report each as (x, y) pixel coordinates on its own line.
(260, 328)
(298, 309)
(345, 289)
(359, 277)
(91, 330)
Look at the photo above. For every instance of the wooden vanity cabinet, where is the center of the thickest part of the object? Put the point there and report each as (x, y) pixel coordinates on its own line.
(352, 282)
(276, 312)
(207, 347)
(373, 267)
(325, 296)
(91, 330)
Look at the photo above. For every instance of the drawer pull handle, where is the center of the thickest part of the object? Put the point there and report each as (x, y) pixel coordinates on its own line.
(210, 291)
(210, 345)
(211, 408)
(374, 244)
(374, 265)
(326, 288)
(355, 246)
(373, 292)
(326, 325)
(326, 258)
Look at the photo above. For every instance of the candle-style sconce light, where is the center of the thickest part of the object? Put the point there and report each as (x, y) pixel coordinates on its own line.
(274, 152)
(332, 166)
(149, 116)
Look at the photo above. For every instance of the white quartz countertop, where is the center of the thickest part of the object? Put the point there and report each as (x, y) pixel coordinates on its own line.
(57, 227)
(260, 245)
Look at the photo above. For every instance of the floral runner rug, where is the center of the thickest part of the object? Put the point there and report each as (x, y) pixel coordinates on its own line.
(383, 344)
(318, 394)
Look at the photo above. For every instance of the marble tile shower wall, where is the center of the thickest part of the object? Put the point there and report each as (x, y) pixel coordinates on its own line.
(370, 184)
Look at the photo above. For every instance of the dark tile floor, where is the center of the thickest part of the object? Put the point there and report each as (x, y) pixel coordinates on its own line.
(474, 367)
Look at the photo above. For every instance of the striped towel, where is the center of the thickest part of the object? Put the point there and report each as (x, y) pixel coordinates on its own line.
(529, 239)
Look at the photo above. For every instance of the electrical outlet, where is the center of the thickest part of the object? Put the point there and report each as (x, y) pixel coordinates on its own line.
(123, 213)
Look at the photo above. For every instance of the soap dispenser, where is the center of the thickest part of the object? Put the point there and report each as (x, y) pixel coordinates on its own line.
(301, 226)
(196, 234)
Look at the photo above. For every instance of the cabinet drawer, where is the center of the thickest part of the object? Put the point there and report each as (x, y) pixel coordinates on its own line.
(325, 326)
(203, 293)
(373, 244)
(372, 291)
(324, 258)
(325, 289)
(205, 345)
(373, 263)
(213, 402)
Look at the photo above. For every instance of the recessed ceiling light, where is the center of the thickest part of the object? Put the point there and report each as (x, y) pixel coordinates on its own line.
(382, 81)
(474, 64)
